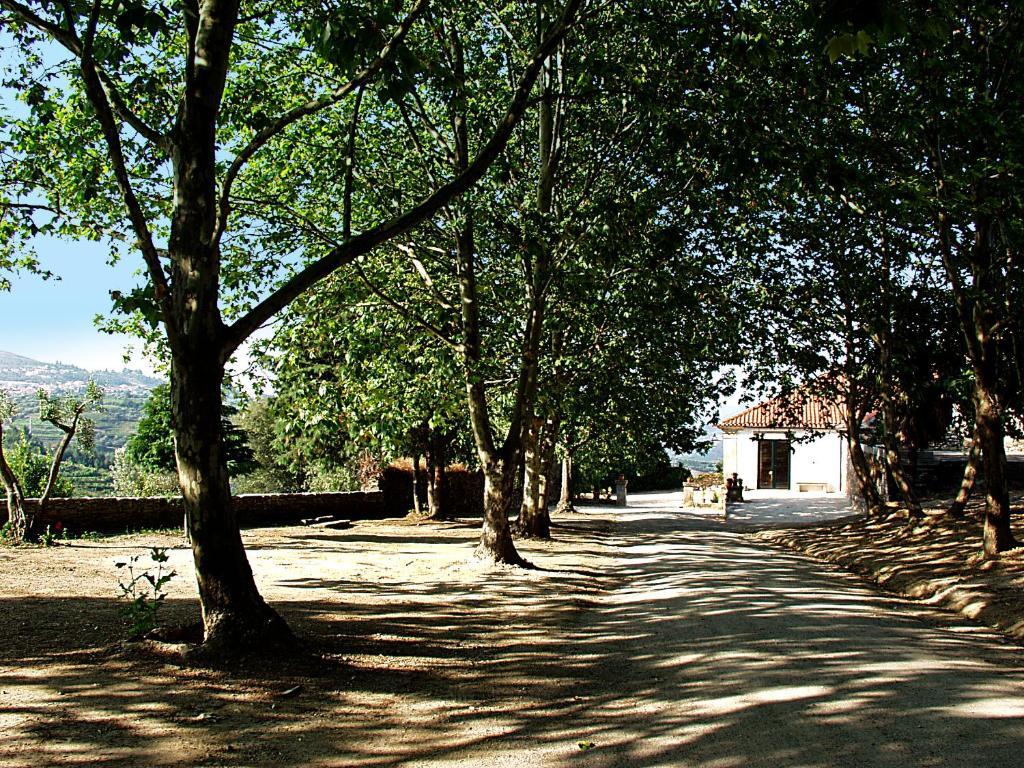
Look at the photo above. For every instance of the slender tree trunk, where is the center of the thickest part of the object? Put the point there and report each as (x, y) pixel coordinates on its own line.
(887, 385)
(855, 417)
(896, 468)
(548, 468)
(431, 464)
(417, 507)
(865, 480)
(861, 468)
(529, 524)
(959, 505)
(534, 520)
(997, 536)
(500, 459)
(436, 465)
(565, 498)
(538, 523)
(978, 311)
(21, 521)
(58, 457)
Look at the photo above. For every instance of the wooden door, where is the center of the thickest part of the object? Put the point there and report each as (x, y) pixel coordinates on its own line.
(773, 464)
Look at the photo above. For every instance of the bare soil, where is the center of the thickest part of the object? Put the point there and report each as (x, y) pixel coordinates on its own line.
(646, 637)
(937, 560)
(397, 624)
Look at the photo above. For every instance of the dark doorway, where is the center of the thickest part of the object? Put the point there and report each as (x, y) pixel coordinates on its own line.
(773, 464)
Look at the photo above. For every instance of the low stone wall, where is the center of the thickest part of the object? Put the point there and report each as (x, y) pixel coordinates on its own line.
(463, 495)
(123, 514)
(938, 472)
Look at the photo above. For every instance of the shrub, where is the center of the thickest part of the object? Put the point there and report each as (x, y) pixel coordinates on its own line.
(133, 479)
(31, 466)
(708, 479)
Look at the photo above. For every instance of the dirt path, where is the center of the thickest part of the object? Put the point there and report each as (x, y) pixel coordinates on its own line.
(658, 638)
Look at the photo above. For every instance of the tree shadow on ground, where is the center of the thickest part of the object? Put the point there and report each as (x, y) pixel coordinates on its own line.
(686, 645)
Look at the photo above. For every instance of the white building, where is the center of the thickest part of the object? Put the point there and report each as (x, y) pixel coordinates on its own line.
(791, 442)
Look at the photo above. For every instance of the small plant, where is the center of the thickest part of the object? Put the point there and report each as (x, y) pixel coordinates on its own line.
(144, 590)
(47, 537)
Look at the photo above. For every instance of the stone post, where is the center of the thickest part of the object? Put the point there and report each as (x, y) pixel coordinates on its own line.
(620, 491)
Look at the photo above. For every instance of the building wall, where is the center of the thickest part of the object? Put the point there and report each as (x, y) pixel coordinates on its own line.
(822, 459)
(739, 455)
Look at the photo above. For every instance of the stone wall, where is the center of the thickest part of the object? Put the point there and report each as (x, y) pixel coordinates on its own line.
(938, 472)
(120, 514)
(464, 491)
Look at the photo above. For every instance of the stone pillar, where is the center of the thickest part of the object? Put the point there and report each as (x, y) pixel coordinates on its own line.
(688, 489)
(620, 491)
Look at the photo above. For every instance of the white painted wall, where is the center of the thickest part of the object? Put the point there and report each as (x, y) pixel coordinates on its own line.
(822, 459)
(739, 455)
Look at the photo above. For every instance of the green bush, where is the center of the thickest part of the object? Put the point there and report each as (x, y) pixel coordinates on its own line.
(31, 465)
(133, 479)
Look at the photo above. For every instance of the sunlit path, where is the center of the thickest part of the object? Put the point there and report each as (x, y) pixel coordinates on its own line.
(733, 654)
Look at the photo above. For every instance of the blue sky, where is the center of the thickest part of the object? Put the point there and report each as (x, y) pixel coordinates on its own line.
(52, 320)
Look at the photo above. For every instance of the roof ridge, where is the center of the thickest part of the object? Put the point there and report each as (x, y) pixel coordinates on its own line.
(800, 408)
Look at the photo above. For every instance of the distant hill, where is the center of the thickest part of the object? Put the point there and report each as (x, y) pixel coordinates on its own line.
(19, 375)
(706, 461)
(124, 394)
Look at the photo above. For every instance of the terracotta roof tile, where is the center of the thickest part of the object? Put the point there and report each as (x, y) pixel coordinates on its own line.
(795, 410)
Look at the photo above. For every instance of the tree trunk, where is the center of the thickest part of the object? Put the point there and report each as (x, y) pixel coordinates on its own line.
(997, 536)
(896, 468)
(20, 520)
(436, 464)
(417, 507)
(886, 386)
(979, 312)
(235, 617)
(547, 470)
(532, 521)
(565, 499)
(859, 462)
(959, 505)
(496, 536)
(538, 524)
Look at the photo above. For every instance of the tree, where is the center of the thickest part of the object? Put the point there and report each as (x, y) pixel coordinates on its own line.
(67, 412)
(272, 474)
(179, 100)
(151, 445)
(31, 465)
(942, 100)
(350, 376)
(592, 168)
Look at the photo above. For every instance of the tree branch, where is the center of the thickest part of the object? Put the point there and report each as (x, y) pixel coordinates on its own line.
(68, 39)
(405, 312)
(370, 239)
(304, 110)
(350, 169)
(98, 98)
